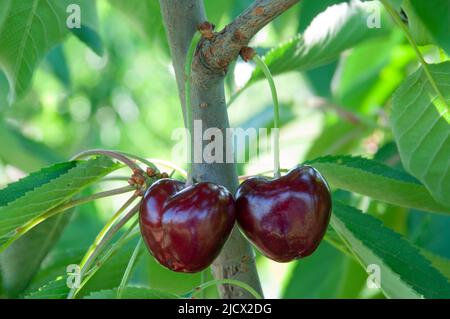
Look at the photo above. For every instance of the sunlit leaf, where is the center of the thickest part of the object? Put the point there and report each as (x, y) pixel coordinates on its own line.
(404, 271)
(376, 180)
(30, 29)
(435, 15)
(421, 124)
(417, 28)
(56, 289)
(441, 263)
(335, 30)
(22, 259)
(37, 197)
(383, 73)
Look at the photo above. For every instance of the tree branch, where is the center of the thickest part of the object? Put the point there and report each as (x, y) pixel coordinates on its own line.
(217, 53)
(181, 19)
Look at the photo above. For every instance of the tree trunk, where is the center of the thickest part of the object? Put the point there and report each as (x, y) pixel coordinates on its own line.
(181, 19)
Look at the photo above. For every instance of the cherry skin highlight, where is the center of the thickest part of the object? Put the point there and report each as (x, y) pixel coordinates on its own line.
(185, 228)
(287, 217)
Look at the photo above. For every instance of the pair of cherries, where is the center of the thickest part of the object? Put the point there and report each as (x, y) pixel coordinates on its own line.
(185, 227)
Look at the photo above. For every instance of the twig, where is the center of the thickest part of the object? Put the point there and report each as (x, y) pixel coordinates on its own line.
(276, 114)
(141, 159)
(116, 155)
(170, 165)
(224, 47)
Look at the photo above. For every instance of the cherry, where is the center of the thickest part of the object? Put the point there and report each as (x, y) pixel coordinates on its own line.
(286, 218)
(185, 228)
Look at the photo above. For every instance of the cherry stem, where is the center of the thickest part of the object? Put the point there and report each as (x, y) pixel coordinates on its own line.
(115, 179)
(166, 164)
(413, 43)
(276, 114)
(170, 165)
(234, 97)
(61, 208)
(116, 155)
(142, 160)
(203, 276)
(233, 282)
(129, 234)
(244, 177)
(128, 270)
(187, 97)
(105, 235)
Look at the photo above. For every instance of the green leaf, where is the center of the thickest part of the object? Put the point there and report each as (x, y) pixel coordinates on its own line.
(332, 237)
(57, 63)
(353, 280)
(335, 30)
(303, 281)
(383, 71)
(71, 247)
(18, 189)
(388, 154)
(42, 198)
(405, 272)
(161, 278)
(55, 266)
(4, 88)
(3, 12)
(340, 137)
(56, 289)
(320, 79)
(426, 231)
(430, 232)
(435, 15)
(376, 180)
(396, 4)
(102, 285)
(30, 29)
(309, 9)
(22, 152)
(441, 263)
(417, 29)
(145, 15)
(88, 32)
(110, 274)
(132, 293)
(22, 259)
(421, 125)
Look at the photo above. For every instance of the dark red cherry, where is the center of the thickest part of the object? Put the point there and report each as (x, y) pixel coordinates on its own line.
(286, 218)
(185, 227)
